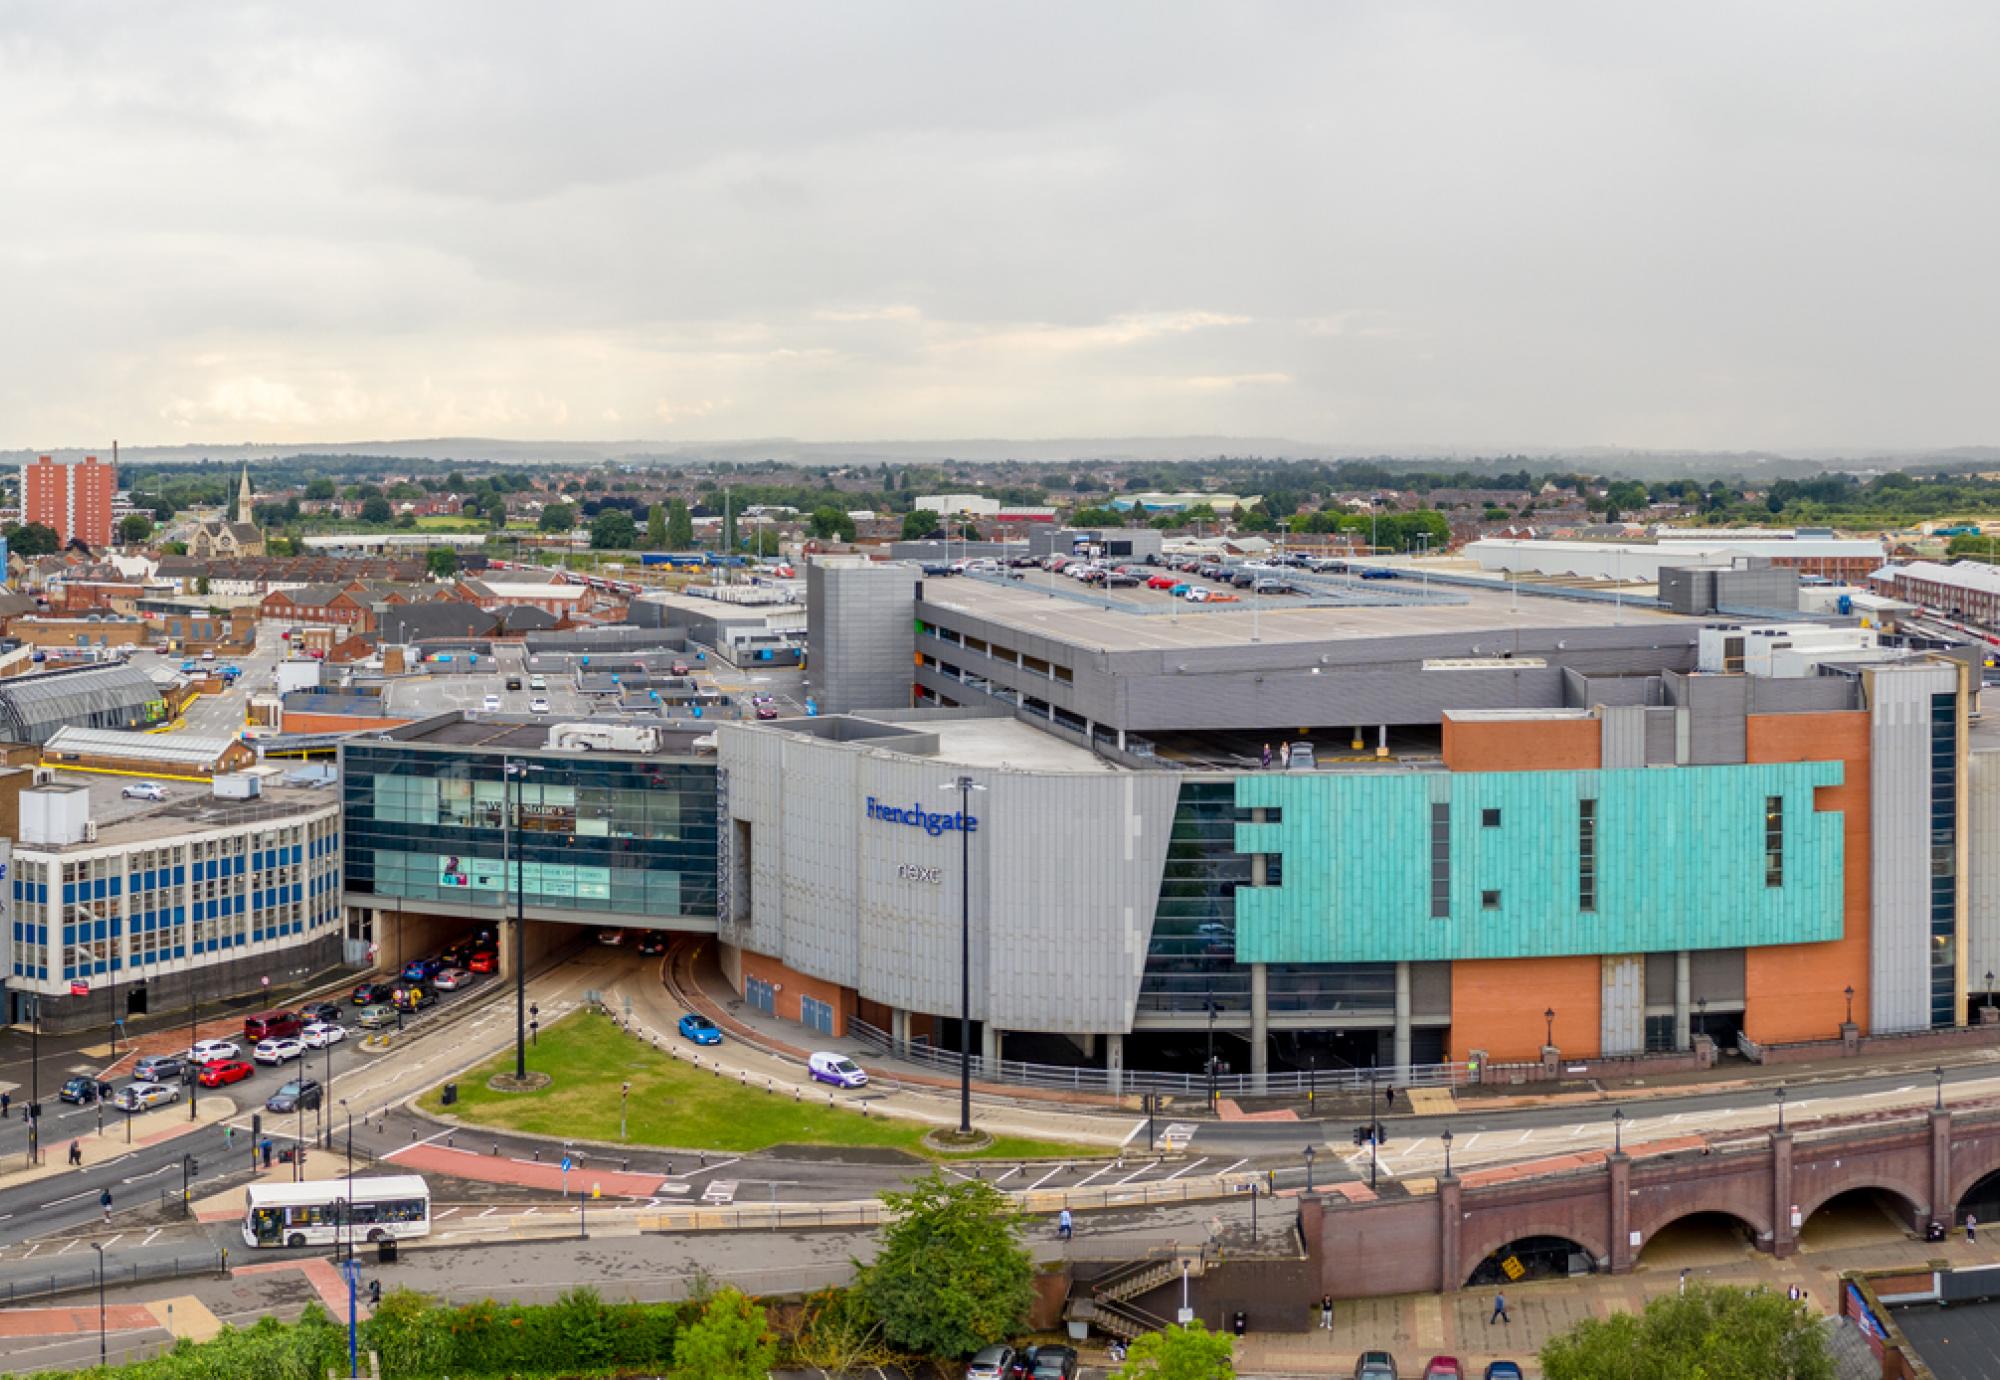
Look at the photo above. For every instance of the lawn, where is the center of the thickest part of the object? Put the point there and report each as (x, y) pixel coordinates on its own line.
(674, 1104)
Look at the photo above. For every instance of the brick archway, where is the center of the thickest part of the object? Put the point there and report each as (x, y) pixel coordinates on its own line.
(1860, 1182)
(1971, 1161)
(1719, 1205)
(1471, 1257)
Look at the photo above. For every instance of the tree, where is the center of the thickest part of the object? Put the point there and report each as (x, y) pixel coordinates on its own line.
(201, 584)
(1180, 1353)
(921, 523)
(33, 539)
(442, 562)
(376, 509)
(613, 530)
(455, 481)
(1097, 517)
(406, 520)
(731, 1341)
(557, 517)
(680, 526)
(951, 1274)
(1715, 1333)
(320, 489)
(656, 527)
(134, 528)
(829, 522)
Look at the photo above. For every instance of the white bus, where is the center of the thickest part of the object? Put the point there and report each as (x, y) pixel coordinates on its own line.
(308, 1214)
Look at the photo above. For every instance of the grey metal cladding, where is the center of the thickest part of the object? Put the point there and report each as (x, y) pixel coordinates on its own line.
(1899, 815)
(1662, 737)
(861, 634)
(1715, 975)
(1624, 739)
(1983, 849)
(1622, 1029)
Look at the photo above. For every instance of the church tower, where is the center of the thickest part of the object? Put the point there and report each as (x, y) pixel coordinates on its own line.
(243, 497)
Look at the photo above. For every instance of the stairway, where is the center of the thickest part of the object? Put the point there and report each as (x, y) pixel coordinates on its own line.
(1105, 1303)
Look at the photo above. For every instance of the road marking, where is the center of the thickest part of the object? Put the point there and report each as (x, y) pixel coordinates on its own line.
(1095, 1173)
(68, 1248)
(151, 1234)
(708, 1168)
(720, 1191)
(1044, 1179)
(114, 1240)
(1409, 1149)
(1473, 1139)
(1185, 1168)
(32, 1249)
(74, 1197)
(440, 1216)
(1579, 1129)
(489, 1212)
(401, 1149)
(1137, 1127)
(1144, 1168)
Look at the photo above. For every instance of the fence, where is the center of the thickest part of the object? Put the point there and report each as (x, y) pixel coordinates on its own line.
(1076, 1078)
(26, 1287)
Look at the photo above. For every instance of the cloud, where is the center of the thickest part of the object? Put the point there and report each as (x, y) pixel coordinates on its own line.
(1212, 383)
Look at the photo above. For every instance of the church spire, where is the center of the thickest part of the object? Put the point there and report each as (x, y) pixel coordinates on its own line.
(243, 497)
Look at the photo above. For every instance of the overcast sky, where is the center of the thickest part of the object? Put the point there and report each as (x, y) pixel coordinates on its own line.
(1713, 226)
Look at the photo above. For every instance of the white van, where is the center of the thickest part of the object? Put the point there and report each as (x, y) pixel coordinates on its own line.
(491, 704)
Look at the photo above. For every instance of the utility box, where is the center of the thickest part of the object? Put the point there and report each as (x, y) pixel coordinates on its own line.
(240, 785)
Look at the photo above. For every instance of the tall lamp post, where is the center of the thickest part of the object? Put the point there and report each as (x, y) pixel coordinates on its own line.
(1938, 1073)
(102, 1360)
(1781, 1111)
(352, 1269)
(1617, 1130)
(514, 771)
(965, 786)
(347, 1220)
(1310, 1152)
(1446, 1138)
(1849, 994)
(35, 1083)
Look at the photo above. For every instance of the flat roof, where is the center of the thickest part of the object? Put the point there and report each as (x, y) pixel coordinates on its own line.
(190, 808)
(1008, 743)
(1957, 1343)
(525, 734)
(1029, 607)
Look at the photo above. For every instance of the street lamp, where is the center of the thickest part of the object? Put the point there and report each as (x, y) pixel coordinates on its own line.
(1781, 1110)
(965, 786)
(98, 1246)
(513, 771)
(349, 1223)
(1310, 1152)
(1617, 1130)
(1208, 1003)
(1446, 1138)
(352, 1269)
(1849, 994)
(1549, 1026)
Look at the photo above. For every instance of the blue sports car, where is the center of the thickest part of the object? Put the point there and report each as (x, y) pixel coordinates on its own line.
(700, 1029)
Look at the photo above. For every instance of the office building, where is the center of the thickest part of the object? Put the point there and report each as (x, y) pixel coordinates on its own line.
(70, 497)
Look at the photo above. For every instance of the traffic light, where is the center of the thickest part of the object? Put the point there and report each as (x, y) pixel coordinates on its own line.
(1361, 1135)
(135, 1000)
(256, 1125)
(1381, 1134)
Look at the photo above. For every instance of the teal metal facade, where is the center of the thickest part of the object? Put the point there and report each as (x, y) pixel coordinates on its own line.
(1680, 863)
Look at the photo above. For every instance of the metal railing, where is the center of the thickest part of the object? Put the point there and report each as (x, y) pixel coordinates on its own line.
(25, 1287)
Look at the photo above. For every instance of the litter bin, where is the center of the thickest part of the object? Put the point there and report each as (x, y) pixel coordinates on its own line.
(385, 1251)
(450, 1094)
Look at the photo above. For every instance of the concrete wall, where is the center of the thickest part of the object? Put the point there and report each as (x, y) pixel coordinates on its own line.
(1982, 927)
(1900, 820)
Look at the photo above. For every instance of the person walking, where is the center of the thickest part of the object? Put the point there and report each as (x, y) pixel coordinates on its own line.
(104, 1201)
(76, 1154)
(1267, 757)
(1499, 1309)
(1971, 1229)
(1065, 1225)
(6, 1104)
(1326, 1312)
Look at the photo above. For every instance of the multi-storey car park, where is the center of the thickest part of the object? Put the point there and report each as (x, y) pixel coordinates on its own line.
(1529, 820)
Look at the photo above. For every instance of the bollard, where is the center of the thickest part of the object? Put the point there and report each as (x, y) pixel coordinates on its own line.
(538, 1154)
(702, 1157)
(496, 1147)
(413, 1133)
(450, 1143)
(625, 1165)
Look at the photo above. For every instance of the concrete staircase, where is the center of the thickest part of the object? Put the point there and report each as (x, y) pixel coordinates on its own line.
(1106, 1303)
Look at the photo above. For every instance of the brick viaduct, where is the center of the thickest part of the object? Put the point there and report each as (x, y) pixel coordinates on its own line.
(1612, 1208)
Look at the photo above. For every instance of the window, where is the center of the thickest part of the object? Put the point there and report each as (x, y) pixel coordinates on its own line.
(1586, 855)
(1489, 819)
(1774, 840)
(1489, 900)
(1441, 861)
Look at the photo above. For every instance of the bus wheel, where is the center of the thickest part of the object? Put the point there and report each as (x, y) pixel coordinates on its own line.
(295, 1239)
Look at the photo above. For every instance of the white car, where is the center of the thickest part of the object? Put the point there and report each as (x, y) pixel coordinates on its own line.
(538, 683)
(1197, 595)
(836, 1069)
(278, 1051)
(144, 790)
(538, 705)
(491, 704)
(320, 1034)
(208, 1051)
(208, 655)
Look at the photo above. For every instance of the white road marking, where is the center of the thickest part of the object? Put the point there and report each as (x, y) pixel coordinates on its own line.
(489, 1212)
(114, 1240)
(1232, 1168)
(1095, 1173)
(1184, 1169)
(1137, 1127)
(401, 1149)
(1133, 1175)
(151, 1234)
(74, 1197)
(68, 1248)
(440, 1216)
(1044, 1179)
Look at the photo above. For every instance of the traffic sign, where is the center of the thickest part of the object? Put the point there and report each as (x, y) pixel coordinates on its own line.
(1513, 1268)
(79, 988)
(565, 1164)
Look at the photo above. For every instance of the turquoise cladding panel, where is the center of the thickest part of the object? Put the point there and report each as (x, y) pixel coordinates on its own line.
(1680, 863)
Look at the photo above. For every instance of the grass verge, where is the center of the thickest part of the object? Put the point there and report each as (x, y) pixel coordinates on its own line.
(675, 1104)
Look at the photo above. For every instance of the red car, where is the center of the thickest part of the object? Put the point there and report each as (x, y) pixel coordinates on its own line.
(224, 1071)
(1443, 1368)
(485, 961)
(1161, 582)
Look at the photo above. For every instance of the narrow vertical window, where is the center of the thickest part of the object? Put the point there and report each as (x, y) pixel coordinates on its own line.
(1774, 840)
(1586, 855)
(1441, 862)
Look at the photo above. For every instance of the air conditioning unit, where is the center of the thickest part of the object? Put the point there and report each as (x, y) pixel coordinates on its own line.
(90, 831)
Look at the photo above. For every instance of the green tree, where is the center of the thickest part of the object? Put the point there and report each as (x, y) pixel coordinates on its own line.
(455, 481)
(319, 489)
(376, 509)
(921, 523)
(1097, 517)
(656, 527)
(406, 520)
(1180, 1353)
(730, 1342)
(829, 522)
(557, 517)
(1708, 1333)
(951, 1274)
(201, 585)
(680, 526)
(33, 539)
(613, 530)
(442, 562)
(134, 528)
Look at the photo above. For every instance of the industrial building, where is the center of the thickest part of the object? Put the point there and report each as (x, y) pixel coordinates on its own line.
(113, 695)
(173, 756)
(1835, 558)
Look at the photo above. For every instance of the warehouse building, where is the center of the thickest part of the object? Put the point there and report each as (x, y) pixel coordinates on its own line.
(113, 695)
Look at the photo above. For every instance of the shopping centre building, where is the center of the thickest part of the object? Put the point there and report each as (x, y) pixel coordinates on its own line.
(1523, 819)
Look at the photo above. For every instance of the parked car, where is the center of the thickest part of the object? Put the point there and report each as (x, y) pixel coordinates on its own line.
(1271, 587)
(1198, 594)
(223, 1072)
(300, 1093)
(371, 994)
(836, 1069)
(483, 961)
(765, 711)
(158, 1068)
(700, 1029)
(1160, 582)
(1502, 1370)
(279, 1051)
(144, 790)
(1375, 1365)
(538, 705)
(1049, 1361)
(451, 979)
(79, 1090)
(992, 1362)
(208, 1051)
(491, 704)
(1118, 579)
(137, 1097)
(320, 1034)
(538, 683)
(1302, 758)
(375, 1017)
(1443, 1368)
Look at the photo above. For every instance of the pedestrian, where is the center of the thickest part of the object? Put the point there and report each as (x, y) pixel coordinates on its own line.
(1389, 1096)
(76, 1154)
(1684, 1279)
(1793, 1293)
(1499, 1309)
(1285, 753)
(1065, 1227)
(1326, 1312)
(104, 1201)
(1971, 1229)
(1267, 756)
(6, 1104)
(228, 1137)
(266, 1148)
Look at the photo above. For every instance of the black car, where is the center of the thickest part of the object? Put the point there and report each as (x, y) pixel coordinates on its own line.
(1050, 1362)
(331, 1012)
(80, 1090)
(652, 945)
(371, 994)
(299, 1093)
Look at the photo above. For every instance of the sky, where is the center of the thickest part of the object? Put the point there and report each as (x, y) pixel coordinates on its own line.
(1696, 226)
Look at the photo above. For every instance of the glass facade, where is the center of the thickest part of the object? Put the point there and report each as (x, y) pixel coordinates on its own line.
(603, 834)
(1944, 860)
